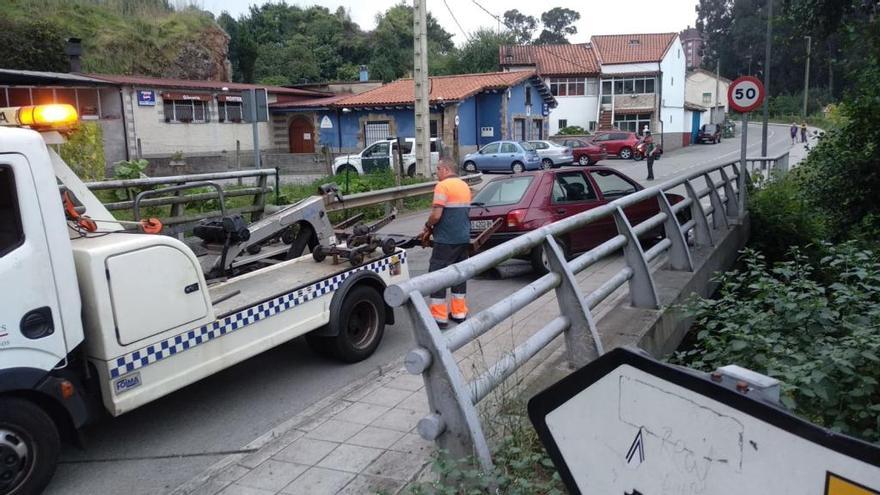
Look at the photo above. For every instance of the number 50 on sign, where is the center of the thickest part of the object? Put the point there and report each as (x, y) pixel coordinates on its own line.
(745, 94)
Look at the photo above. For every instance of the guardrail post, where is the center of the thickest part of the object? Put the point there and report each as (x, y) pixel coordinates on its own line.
(731, 199)
(679, 255)
(719, 217)
(702, 232)
(260, 198)
(642, 292)
(582, 342)
(453, 421)
(782, 163)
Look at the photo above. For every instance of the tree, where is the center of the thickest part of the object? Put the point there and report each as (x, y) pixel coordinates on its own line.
(392, 41)
(480, 52)
(521, 26)
(558, 25)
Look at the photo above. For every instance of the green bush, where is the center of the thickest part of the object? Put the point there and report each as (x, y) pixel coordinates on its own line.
(812, 326)
(573, 130)
(84, 151)
(781, 218)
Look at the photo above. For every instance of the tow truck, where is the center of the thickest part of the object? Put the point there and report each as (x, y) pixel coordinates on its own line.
(98, 318)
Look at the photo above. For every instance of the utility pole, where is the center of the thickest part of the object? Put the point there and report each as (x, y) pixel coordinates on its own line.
(767, 78)
(717, 84)
(807, 74)
(422, 87)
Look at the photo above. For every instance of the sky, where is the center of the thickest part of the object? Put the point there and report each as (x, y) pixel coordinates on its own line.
(597, 16)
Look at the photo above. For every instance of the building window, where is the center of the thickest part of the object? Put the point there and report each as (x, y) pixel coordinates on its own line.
(229, 111)
(567, 86)
(627, 86)
(11, 232)
(632, 122)
(433, 128)
(592, 87)
(185, 111)
(707, 98)
(563, 123)
(528, 91)
(376, 131)
(592, 126)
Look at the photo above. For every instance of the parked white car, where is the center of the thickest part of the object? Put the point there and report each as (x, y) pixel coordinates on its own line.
(378, 156)
(552, 154)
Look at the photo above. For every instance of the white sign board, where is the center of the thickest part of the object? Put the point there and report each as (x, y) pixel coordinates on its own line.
(626, 424)
(487, 132)
(326, 123)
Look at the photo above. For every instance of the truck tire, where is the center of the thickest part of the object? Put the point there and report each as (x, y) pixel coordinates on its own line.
(29, 447)
(411, 170)
(358, 327)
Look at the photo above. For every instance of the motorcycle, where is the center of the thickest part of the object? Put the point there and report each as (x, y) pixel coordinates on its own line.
(641, 149)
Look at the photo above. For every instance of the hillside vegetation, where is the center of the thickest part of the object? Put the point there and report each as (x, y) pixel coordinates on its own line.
(147, 37)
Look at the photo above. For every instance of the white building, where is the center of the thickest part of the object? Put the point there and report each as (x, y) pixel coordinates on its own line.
(701, 89)
(616, 81)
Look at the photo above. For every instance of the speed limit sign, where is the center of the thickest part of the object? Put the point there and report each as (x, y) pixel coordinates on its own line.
(745, 94)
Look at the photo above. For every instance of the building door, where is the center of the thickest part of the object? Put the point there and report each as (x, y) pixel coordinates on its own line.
(539, 129)
(519, 129)
(302, 136)
(695, 126)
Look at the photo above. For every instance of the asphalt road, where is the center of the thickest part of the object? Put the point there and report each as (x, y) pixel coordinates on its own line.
(156, 448)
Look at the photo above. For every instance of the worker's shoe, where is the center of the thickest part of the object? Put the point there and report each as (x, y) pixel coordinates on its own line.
(459, 308)
(440, 312)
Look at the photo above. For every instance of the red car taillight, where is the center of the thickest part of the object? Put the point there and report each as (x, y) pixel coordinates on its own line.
(515, 218)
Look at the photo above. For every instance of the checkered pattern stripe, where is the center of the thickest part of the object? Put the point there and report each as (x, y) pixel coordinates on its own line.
(187, 340)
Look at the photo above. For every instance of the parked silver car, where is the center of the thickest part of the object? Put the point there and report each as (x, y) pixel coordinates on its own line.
(552, 154)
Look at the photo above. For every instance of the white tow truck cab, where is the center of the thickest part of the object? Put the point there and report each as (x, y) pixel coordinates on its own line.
(111, 319)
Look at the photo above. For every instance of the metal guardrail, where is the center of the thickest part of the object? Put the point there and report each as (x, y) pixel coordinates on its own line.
(454, 421)
(370, 198)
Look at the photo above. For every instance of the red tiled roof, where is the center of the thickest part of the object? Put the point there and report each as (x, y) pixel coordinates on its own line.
(552, 59)
(448, 88)
(191, 84)
(631, 48)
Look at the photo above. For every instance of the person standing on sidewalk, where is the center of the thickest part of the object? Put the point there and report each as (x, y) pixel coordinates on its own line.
(794, 131)
(451, 229)
(649, 153)
(803, 132)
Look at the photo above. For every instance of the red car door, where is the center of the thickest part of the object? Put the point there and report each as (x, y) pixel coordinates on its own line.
(613, 147)
(613, 185)
(573, 193)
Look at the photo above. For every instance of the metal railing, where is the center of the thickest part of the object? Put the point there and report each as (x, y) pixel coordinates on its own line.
(359, 200)
(453, 422)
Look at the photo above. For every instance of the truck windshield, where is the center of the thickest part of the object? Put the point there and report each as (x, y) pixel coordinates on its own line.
(503, 192)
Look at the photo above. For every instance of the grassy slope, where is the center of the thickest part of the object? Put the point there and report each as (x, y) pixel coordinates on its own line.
(119, 36)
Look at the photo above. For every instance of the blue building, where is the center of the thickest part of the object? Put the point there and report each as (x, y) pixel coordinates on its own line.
(466, 111)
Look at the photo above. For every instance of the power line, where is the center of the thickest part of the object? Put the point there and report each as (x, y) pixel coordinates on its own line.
(466, 36)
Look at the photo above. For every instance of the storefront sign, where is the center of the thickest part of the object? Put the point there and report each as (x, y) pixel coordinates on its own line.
(487, 132)
(229, 98)
(146, 98)
(186, 96)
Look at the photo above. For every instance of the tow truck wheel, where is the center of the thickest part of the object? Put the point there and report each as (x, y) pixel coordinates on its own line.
(320, 253)
(29, 447)
(389, 246)
(359, 326)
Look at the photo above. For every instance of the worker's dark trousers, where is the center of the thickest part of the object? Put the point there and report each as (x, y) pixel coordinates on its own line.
(442, 256)
(650, 161)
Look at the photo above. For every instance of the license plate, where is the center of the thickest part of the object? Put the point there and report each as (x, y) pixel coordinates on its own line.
(480, 224)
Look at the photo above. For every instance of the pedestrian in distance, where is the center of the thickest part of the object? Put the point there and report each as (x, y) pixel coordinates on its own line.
(803, 132)
(794, 132)
(451, 229)
(649, 153)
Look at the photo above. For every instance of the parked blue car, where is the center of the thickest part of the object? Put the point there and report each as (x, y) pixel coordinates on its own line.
(503, 156)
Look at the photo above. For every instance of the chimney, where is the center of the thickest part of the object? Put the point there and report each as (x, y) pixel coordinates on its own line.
(364, 76)
(508, 56)
(73, 51)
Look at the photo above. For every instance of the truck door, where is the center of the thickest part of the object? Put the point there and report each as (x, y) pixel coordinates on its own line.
(376, 157)
(31, 333)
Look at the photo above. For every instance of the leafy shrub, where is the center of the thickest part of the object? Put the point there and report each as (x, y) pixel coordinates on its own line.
(812, 327)
(573, 130)
(129, 169)
(781, 218)
(84, 151)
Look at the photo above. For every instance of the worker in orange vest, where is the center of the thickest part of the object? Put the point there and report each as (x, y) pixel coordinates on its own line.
(450, 227)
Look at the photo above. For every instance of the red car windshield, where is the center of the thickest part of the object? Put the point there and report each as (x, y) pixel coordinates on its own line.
(503, 191)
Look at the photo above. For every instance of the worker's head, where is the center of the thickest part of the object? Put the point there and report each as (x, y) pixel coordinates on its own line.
(446, 168)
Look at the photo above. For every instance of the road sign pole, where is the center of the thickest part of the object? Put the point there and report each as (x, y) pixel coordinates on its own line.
(256, 128)
(742, 161)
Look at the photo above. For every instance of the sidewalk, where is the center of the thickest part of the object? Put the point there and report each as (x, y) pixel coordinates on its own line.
(363, 438)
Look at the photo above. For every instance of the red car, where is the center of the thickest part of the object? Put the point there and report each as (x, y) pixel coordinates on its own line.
(585, 152)
(619, 143)
(532, 200)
